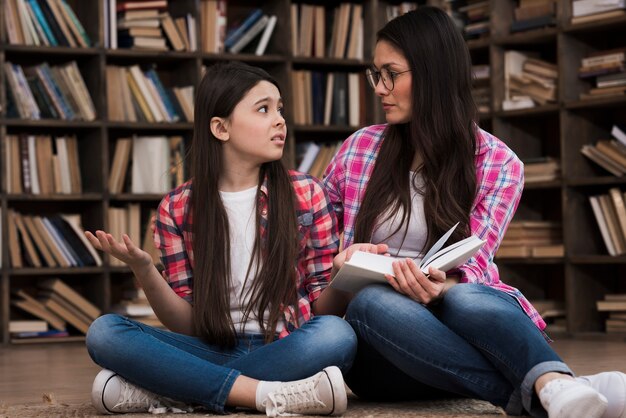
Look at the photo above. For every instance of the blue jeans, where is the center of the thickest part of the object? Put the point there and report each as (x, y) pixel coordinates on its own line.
(187, 369)
(477, 342)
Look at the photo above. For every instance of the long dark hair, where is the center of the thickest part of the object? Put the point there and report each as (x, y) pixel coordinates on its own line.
(441, 130)
(274, 286)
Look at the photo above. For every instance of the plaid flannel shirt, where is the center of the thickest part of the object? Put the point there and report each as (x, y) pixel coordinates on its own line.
(500, 180)
(318, 243)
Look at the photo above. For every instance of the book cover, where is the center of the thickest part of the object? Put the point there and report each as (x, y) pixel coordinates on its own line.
(367, 268)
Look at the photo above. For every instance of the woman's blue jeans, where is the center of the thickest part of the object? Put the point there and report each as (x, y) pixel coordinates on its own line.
(187, 369)
(477, 342)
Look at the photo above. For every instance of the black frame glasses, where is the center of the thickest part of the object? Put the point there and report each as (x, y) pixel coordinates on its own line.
(386, 75)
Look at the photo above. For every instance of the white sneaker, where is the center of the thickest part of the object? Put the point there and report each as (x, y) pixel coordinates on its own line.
(111, 394)
(568, 398)
(321, 394)
(613, 386)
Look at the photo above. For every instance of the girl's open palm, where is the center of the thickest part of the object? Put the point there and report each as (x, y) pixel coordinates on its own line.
(124, 251)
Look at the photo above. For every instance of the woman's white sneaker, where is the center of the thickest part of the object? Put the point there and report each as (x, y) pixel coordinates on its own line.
(613, 386)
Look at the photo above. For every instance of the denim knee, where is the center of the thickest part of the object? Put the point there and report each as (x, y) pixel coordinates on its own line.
(332, 338)
(100, 332)
(366, 300)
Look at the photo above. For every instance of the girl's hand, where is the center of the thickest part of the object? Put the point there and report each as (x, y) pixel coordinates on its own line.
(124, 251)
(410, 281)
(346, 254)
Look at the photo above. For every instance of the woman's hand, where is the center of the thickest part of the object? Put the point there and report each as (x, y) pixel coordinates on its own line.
(410, 281)
(346, 254)
(124, 251)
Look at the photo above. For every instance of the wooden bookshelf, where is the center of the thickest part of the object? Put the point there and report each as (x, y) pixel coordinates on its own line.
(584, 275)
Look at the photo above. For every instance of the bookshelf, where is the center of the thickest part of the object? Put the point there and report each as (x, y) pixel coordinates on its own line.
(583, 276)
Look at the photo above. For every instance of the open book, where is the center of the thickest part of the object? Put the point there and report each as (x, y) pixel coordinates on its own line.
(367, 268)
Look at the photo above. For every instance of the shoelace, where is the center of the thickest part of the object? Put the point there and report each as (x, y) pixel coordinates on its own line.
(295, 398)
(133, 396)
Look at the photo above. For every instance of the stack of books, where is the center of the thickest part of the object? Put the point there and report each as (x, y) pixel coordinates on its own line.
(528, 81)
(553, 313)
(534, 14)
(541, 169)
(60, 306)
(609, 154)
(475, 17)
(532, 239)
(615, 305)
(585, 11)
(43, 23)
(606, 71)
(609, 211)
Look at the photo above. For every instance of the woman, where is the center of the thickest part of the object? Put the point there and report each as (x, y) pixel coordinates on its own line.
(248, 250)
(406, 183)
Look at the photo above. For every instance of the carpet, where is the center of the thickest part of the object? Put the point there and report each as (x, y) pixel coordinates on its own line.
(450, 408)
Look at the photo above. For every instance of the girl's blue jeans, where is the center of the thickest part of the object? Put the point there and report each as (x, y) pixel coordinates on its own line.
(186, 369)
(477, 342)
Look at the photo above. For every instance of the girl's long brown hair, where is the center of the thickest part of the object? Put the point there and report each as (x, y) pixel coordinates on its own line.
(274, 286)
(441, 131)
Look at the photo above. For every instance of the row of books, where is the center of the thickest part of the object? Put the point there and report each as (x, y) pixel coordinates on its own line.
(528, 81)
(333, 33)
(135, 95)
(49, 241)
(42, 165)
(609, 154)
(128, 220)
(607, 71)
(532, 239)
(609, 211)
(43, 23)
(315, 157)
(44, 91)
(333, 98)
(52, 310)
(156, 164)
(615, 305)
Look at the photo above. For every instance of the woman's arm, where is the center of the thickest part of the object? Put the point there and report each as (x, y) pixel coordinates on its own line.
(173, 311)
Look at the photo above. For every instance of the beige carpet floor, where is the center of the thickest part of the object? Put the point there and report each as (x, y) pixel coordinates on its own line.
(449, 408)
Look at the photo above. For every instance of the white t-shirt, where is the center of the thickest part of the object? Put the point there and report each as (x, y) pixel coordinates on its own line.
(415, 232)
(240, 208)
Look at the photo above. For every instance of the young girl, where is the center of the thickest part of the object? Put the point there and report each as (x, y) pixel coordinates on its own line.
(405, 184)
(248, 249)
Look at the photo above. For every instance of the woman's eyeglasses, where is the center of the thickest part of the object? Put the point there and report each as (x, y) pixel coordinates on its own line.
(387, 76)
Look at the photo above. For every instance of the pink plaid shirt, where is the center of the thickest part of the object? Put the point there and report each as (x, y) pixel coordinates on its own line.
(318, 243)
(500, 179)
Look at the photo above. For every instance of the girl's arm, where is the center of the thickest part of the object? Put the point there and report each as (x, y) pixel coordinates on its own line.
(173, 311)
